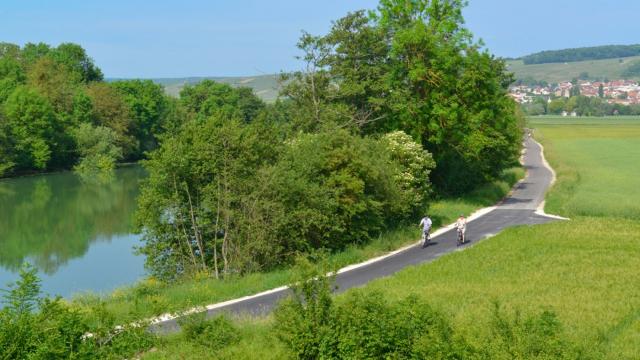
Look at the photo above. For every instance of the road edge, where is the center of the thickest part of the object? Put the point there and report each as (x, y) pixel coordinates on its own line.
(540, 208)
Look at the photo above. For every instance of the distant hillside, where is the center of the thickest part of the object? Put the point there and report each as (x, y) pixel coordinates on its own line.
(613, 69)
(265, 86)
(582, 54)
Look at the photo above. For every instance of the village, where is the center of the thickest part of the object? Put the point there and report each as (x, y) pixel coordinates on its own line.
(622, 92)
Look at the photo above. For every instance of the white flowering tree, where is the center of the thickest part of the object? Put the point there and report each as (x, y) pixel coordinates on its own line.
(415, 165)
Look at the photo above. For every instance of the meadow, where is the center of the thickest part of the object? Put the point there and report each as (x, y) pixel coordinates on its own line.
(556, 72)
(584, 270)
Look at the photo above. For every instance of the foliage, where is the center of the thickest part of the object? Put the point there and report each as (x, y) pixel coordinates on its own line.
(415, 165)
(198, 184)
(98, 150)
(214, 333)
(147, 106)
(412, 66)
(581, 54)
(46, 93)
(42, 328)
(331, 189)
(32, 127)
(586, 106)
(366, 325)
(211, 98)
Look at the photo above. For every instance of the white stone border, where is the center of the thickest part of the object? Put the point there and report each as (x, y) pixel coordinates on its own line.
(540, 209)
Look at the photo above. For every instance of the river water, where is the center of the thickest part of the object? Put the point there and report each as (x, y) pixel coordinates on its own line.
(78, 235)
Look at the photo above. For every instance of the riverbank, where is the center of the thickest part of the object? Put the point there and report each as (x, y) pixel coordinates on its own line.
(151, 298)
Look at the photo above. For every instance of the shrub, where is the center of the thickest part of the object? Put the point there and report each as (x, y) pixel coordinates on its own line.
(214, 333)
(365, 325)
(32, 327)
(331, 189)
(415, 165)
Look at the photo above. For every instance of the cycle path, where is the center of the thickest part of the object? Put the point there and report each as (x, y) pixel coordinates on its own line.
(521, 207)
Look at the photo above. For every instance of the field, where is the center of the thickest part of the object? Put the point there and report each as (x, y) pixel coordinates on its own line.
(584, 270)
(556, 72)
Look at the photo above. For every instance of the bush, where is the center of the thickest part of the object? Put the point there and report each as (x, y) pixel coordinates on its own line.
(365, 325)
(32, 327)
(331, 189)
(97, 148)
(415, 165)
(214, 333)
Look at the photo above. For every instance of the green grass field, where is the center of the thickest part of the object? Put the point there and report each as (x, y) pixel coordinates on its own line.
(556, 72)
(585, 270)
(151, 298)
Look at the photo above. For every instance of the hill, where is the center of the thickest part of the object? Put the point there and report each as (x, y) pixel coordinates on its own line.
(612, 69)
(265, 86)
(582, 54)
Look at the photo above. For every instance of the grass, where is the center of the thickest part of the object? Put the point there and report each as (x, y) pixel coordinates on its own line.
(150, 298)
(595, 161)
(585, 270)
(556, 72)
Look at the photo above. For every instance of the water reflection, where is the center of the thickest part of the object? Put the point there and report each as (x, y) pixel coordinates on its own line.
(51, 219)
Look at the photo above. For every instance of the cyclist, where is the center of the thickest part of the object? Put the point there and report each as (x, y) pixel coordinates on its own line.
(461, 226)
(426, 228)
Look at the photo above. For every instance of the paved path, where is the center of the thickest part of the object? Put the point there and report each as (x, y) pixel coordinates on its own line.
(517, 209)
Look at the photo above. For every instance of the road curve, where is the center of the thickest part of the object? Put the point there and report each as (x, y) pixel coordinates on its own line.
(519, 208)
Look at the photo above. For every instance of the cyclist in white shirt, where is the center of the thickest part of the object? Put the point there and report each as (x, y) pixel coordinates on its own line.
(461, 226)
(426, 228)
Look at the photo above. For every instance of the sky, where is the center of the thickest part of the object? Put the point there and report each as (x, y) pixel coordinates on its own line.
(179, 38)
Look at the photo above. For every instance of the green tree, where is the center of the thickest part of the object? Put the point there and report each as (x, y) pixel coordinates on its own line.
(209, 97)
(11, 76)
(32, 126)
(415, 165)
(601, 90)
(110, 110)
(192, 206)
(147, 106)
(98, 150)
(556, 106)
(413, 66)
(76, 60)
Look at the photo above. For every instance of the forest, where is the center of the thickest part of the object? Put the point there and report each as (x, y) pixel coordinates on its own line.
(582, 54)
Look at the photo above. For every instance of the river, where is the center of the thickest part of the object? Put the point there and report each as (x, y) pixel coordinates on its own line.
(78, 235)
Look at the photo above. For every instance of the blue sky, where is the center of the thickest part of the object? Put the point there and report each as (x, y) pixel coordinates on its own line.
(161, 38)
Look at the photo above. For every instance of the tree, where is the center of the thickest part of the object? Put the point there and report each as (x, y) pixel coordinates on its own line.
(332, 189)
(98, 150)
(192, 206)
(147, 105)
(415, 165)
(413, 66)
(76, 60)
(556, 106)
(209, 97)
(601, 91)
(110, 110)
(11, 76)
(32, 126)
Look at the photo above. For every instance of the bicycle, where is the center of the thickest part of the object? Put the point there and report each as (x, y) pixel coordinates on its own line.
(461, 239)
(426, 238)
